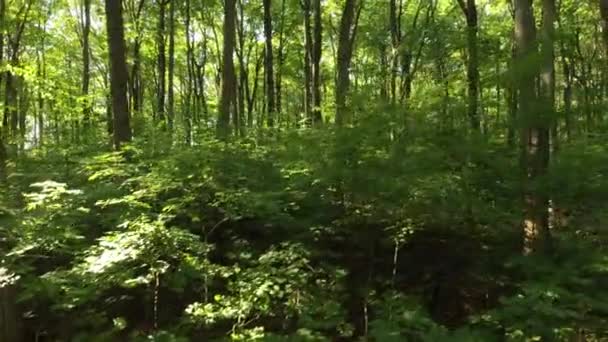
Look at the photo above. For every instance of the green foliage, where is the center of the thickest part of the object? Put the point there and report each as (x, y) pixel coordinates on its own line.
(283, 253)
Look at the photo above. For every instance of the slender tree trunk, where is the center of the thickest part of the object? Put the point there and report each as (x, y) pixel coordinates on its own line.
(269, 63)
(317, 44)
(307, 62)
(346, 40)
(161, 62)
(171, 90)
(42, 81)
(136, 87)
(86, 63)
(534, 134)
(191, 81)
(242, 86)
(3, 155)
(22, 108)
(470, 12)
(228, 76)
(395, 14)
(547, 72)
(281, 60)
(604, 22)
(568, 76)
(118, 72)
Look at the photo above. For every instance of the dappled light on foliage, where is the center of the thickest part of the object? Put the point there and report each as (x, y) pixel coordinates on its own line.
(314, 170)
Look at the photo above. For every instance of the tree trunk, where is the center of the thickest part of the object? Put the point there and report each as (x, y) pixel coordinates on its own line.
(317, 43)
(346, 40)
(534, 134)
(228, 76)
(604, 17)
(568, 80)
(3, 155)
(470, 12)
(307, 62)
(161, 62)
(136, 86)
(191, 79)
(547, 72)
(281, 60)
(9, 315)
(395, 14)
(118, 72)
(269, 64)
(86, 63)
(171, 90)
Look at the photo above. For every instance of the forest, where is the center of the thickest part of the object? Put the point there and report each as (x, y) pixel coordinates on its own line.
(303, 170)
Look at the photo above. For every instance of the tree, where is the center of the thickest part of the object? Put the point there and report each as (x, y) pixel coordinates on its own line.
(3, 129)
(171, 90)
(346, 41)
(308, 48)
(604, 17)
(469, 9)
(86, 60)
(547, 72)
(268, 64)
(228, 91)
(118, 72)
(161, 62)
(135, 9)
(317, 44)
(534, 136)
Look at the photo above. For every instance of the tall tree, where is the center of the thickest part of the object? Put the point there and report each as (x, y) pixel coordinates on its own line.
(534, 134)
(469, 9)
(161, 62)
(317, 43)
(191, 85)
(86, 59)
(118, 72)
(171, 86)
(547, 72)
(604, 17)
(268, 64)
(228, 90)
(280, 61)
(346, 41)
(395, 15)
(11, 112)
(308, 48)
(2, 130)
(135, 9)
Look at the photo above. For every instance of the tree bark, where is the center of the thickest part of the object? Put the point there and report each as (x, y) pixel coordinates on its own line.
(86, 62)
(161, 63)
(317, 43)
(191, 79)
(395, 13)
(604, 17)
(547, 72)
(470, 12)
(136, 86)
(9, 316)
(171, 90)
(228, 75)
(281, 60)
(3, 155)
(308, 103)
(534, 134)
(118, 72)
(269, 64)
(346, 40)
